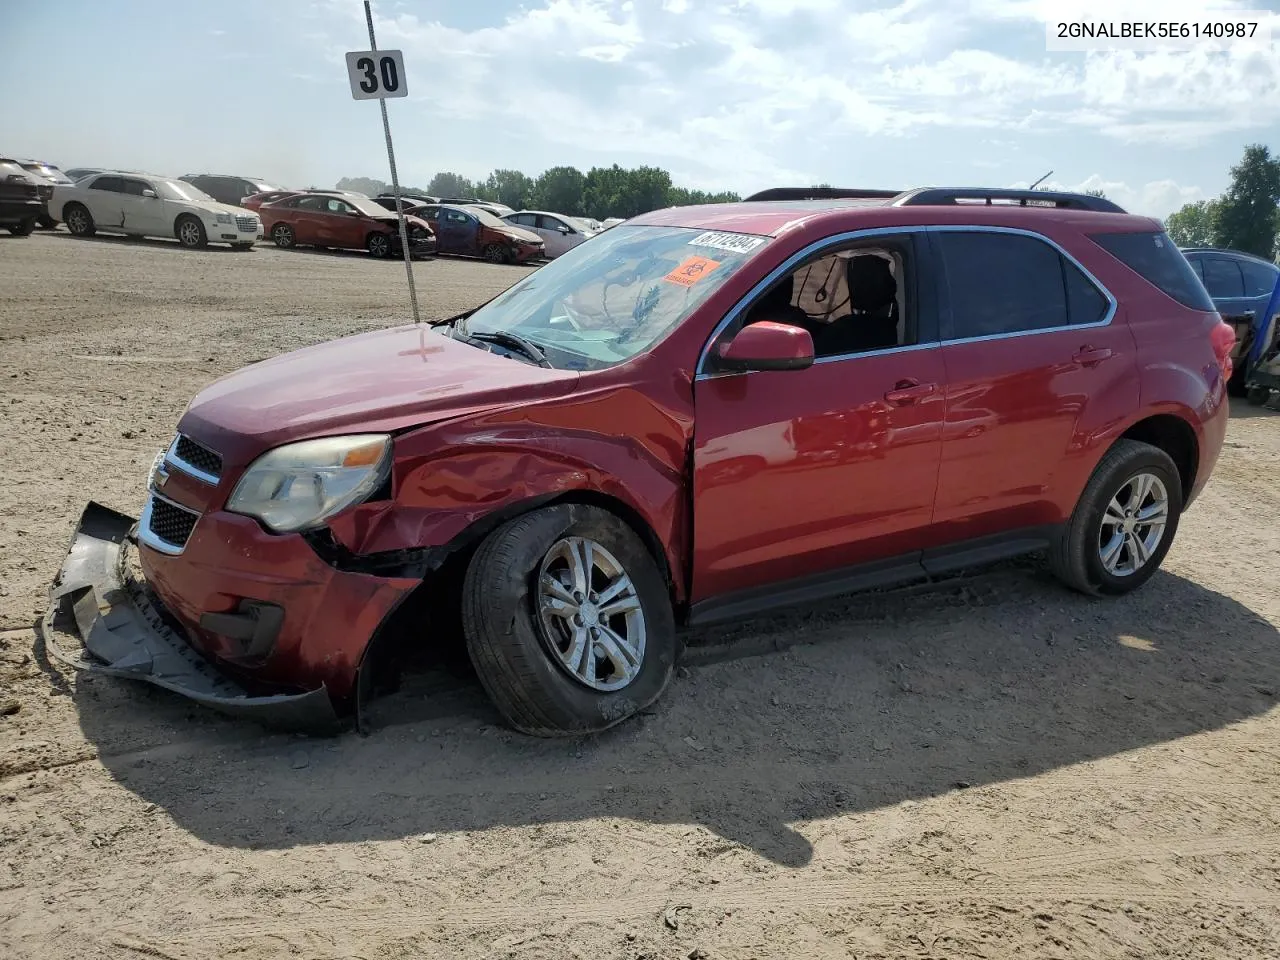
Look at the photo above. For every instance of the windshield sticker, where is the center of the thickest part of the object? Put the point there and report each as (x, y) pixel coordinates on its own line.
(691, 271)
(733, 242)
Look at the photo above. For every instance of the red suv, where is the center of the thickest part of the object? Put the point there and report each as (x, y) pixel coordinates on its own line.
(699, 414)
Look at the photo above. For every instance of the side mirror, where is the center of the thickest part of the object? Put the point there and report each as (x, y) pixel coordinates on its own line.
(767, 345)
(151, 194)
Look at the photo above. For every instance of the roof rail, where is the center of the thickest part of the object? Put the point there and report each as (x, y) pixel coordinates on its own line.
(821, 193)
(951, 196)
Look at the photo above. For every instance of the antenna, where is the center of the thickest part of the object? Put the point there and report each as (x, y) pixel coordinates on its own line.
(1040, 181)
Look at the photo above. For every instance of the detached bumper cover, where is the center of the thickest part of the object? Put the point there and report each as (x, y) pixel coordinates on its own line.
(125, 635)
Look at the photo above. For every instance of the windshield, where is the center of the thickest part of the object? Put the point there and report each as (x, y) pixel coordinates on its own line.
(49, 173)
(487, 218)
(606, 301)
(181, 190)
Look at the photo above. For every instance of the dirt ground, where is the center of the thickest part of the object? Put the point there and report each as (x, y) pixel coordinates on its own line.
(989, 768)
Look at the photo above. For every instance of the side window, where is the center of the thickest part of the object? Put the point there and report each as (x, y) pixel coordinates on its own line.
(550, 223)
(1197, 266)
(852, 301)
(1085, 302)
(111, 184)
(1259, 279)
(134, 187)
(1001, 283)
(1153, 257)
(1222, 278)
(525, 219)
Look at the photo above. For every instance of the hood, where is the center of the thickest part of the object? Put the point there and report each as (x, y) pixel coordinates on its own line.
(225, 208)
(409, 220)
(521, 233)
(380, 381)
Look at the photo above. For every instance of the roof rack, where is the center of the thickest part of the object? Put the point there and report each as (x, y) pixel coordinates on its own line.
(952, 196)
(821, 193)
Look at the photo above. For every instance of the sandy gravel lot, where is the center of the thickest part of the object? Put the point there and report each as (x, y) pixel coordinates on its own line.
(991, 768)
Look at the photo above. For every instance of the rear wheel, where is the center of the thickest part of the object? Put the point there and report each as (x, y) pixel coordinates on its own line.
(282, 235)
(190, 232)
(568, 621)
(1124, 523)
(378, 245)
(79, 220)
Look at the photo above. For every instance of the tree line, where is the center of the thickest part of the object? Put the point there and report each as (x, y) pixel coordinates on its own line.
(601, 192)
(1246, 217)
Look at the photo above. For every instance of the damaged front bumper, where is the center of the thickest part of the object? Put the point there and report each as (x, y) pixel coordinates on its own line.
(125, 636)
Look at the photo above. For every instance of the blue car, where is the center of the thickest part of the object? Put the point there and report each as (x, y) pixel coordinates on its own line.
(1241, 285)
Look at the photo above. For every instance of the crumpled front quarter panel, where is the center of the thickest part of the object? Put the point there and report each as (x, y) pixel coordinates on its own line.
(617, 441)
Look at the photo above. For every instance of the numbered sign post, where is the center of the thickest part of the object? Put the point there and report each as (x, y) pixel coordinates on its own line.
(376, 75)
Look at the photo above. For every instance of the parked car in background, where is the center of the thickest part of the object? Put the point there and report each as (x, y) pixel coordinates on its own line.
(20, 202)
(144, 205)
(559, 233)
(79, 173)
(1246, 290)
(561, 470)
(229, 189)
(489, 206)
(473, 232)
(343, 222)
(256, 200)
(608, 222)
(47, 176)
(388, 200)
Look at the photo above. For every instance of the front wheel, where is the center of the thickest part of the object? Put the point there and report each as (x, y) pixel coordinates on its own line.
(46, 222)
(1124, 523)
(568, 621)
(79, 220)
(190, 232)
(23, 228)
(496, 253)
(378, 245)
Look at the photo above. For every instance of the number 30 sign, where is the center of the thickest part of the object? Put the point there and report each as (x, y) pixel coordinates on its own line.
(376, 74)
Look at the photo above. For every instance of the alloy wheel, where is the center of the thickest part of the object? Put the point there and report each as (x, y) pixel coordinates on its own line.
(589, 615)
(1133, 525)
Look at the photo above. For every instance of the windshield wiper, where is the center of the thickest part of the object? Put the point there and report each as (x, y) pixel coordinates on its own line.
(512, 341)
(450, 321)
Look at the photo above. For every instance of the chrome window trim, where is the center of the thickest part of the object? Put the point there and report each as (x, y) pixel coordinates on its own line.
(144, 525)
(700, 372)
(171, 457)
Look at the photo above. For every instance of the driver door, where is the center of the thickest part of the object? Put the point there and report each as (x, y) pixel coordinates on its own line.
(824, 474)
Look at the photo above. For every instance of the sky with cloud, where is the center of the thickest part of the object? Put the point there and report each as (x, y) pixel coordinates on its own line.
(725, 94)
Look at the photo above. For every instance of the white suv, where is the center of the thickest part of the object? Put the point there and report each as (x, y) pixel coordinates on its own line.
(140, 205)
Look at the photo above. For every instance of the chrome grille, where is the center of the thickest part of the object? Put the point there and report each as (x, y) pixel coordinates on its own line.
(247, 223)
(169, 522)
(187, 451)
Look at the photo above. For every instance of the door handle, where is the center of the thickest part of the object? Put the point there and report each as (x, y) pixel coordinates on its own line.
(1091, 356)
(909, 391)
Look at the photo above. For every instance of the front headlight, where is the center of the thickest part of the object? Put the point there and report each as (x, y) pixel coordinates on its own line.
(223, 217)
(301, 485)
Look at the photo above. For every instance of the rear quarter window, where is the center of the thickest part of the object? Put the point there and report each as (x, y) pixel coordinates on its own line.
(1154, 257)
(1259, 278)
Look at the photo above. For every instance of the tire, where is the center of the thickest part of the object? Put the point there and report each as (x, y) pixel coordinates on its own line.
(497, 253)
(282, 236)
(79, 220)
(515, 653)
(1257, 396)
(46, 222)
(378, 245)
(190, 232)
(1077, 558)
(23, 228)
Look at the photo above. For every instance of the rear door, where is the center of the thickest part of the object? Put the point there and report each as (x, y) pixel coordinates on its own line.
(1037, 361)
(103, 198)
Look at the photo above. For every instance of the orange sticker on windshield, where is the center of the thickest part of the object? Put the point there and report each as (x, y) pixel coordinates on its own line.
(691, 271)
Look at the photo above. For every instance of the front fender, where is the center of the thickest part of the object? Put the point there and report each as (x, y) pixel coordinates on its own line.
(450, 477)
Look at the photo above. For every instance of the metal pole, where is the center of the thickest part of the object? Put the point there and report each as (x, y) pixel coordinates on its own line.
(395, 180)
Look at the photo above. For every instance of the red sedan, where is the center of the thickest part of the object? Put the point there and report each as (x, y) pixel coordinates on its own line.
(344, 222)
